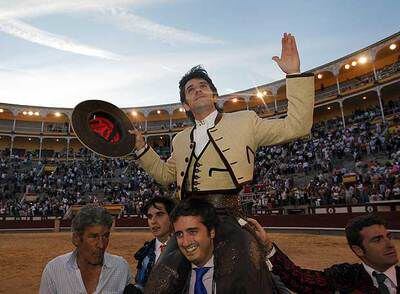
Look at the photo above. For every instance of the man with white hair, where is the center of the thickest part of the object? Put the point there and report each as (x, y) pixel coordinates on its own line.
(89, 268)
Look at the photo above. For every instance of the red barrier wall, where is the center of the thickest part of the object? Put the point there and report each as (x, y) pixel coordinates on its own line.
(27, 224)
(324, 220)
(314, 221)
(131, 222)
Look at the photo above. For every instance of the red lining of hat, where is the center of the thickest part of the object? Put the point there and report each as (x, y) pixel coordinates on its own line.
(105, 128)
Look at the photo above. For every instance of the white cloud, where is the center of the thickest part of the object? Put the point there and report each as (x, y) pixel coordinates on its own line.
(27, 32)
(134, 23)
(10, 15)
(135, 82)
(34, 8)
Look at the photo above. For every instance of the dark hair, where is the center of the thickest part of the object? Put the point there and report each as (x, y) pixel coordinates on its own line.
(91, 215)
(196, 207)
(355, 225)
(197, 72)
(168, 203)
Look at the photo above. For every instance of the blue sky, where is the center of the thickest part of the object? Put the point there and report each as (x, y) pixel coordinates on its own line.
(133, 52)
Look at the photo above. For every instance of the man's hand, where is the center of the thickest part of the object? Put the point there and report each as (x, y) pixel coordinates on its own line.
(261, 233)
(139, 140)
(289, 61)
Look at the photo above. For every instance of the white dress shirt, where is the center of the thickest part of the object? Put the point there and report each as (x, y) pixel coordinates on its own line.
(62, 275)
(158, 248)
(390, 282)
(200, 135)
(207, 278)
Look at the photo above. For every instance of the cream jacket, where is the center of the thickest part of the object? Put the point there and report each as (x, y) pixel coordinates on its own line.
(236, 137)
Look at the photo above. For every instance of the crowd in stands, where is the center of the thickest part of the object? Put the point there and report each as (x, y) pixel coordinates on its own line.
(85, 180)
(352, 165)
(335, 165)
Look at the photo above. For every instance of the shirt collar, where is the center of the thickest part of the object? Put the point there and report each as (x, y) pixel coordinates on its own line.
(71, 261)
(390, 273)
(208, 121)
(209, 263)
(158, 243)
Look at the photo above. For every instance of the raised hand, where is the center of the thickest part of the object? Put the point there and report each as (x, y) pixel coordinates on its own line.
(260, 232)
(289, 61)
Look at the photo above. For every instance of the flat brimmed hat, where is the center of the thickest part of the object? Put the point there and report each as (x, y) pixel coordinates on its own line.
(103, 128)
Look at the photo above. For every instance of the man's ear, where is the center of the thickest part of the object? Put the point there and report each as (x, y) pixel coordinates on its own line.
(215, 98)
(75, 239)
(357, 250)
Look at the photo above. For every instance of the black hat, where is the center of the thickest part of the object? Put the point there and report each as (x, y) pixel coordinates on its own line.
(103, 128)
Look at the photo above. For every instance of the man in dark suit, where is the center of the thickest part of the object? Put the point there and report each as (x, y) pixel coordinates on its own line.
(197, 226)
(157, 211)
(369, 239)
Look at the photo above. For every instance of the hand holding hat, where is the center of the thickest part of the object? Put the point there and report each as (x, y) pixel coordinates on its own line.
(139, 139)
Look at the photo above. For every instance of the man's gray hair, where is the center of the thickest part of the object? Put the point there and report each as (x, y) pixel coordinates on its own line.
(91, 215)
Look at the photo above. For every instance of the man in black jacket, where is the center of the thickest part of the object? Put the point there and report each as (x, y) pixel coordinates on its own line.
(369, 239)
(157, 211)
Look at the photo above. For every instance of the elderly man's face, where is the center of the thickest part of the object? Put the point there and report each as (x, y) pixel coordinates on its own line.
(92, 244)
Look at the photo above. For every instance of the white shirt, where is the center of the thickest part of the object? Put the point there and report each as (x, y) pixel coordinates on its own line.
(200, 135)
(390, 282)
(158, 249)
(62, 275)
(207, 278)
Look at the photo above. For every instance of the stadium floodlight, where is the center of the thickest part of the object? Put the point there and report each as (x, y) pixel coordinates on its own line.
(1, 110)
(347, 66)
(134, 113)
(319, 76)
(354, 63)
(24, 113)
(365, 97)
(362, 60)
(329, 108)
(181, 109)
(30, 113)
(234, 100)
(392, 46)
(259, 95)
(36, 113)
(57, 114)
(158, 111)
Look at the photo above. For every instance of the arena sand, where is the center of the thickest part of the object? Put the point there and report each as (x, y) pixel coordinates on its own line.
(24, 255)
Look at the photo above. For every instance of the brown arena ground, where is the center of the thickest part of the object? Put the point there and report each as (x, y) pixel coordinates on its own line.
(24, 255)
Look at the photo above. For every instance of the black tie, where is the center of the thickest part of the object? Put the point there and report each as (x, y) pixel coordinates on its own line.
(380, 278)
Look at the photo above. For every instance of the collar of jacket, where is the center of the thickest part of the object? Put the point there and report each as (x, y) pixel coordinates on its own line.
(217, 120)
(148, 247)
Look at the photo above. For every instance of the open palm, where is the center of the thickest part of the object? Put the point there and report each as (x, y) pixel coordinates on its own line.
(289, 61)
